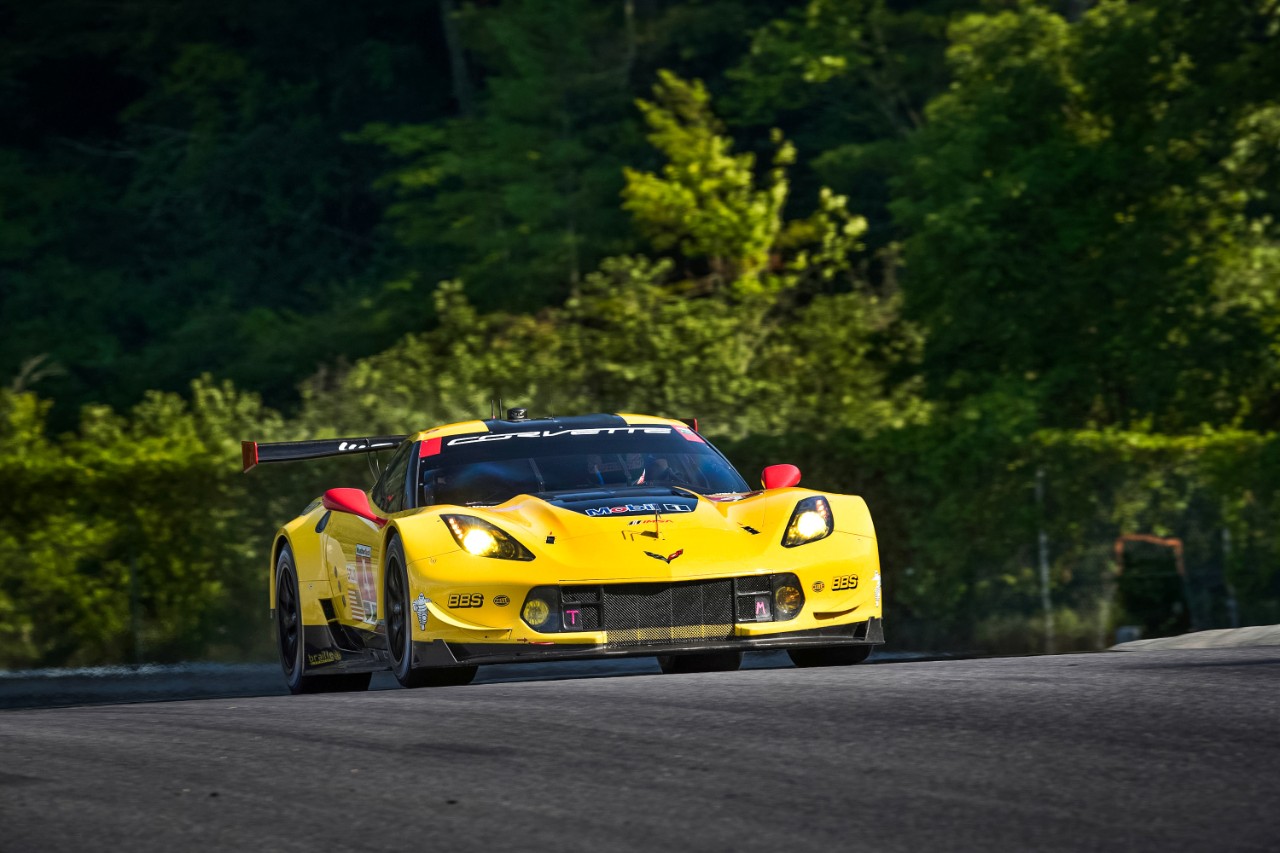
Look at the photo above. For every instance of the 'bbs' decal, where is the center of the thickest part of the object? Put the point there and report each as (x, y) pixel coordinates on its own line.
(466, 599)
(845, 582)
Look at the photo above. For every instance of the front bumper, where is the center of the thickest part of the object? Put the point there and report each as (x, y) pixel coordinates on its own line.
(442, 653)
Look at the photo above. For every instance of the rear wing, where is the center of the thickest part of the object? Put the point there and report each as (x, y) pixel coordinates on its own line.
(253, 454)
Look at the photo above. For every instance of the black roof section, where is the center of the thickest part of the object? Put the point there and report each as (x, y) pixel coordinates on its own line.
(497, 425)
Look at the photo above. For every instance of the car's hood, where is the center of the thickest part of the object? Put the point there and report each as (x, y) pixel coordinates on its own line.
(644, 539)
(656, 534)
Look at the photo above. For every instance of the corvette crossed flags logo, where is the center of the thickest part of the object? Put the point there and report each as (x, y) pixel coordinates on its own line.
(666, 559)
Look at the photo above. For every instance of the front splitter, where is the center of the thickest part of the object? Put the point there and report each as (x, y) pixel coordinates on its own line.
(439, 653)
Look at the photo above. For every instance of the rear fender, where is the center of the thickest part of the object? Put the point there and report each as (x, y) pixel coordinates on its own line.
(300, 535)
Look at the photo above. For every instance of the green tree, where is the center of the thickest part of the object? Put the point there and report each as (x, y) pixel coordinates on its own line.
(745, 319)
(200, 211)
(705, 205)
(849, 80)
(135, 535)
(1071, 218)
(773, 316)
(518, 198)
(452, 372)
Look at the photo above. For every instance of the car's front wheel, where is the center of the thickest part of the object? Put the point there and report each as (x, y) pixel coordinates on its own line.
(703, 662)
(400, 631)
(829, 656)
(290, 641)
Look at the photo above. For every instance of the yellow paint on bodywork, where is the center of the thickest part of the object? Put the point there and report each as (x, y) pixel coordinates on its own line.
(472, 629)
(450, 429)
(300, 535)
(716, 541)
(606, 550)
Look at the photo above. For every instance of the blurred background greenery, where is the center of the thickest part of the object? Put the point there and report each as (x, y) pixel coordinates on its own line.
(1010, 270)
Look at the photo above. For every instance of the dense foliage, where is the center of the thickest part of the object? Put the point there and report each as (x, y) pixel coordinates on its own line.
(934, 252)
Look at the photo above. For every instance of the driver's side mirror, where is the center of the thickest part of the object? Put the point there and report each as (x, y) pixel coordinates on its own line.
(780, 476)
(353, 501)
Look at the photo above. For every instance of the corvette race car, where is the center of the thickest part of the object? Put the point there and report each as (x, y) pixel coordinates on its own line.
(595, 536)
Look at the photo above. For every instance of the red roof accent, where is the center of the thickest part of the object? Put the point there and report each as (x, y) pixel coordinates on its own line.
(430, 447)
(689, 435)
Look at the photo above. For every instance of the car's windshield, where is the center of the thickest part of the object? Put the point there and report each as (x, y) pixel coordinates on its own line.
(492, 468)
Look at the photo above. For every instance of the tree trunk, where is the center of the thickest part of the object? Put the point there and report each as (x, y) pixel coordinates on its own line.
(457, 59)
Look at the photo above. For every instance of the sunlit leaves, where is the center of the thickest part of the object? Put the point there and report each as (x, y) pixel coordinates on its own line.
(1073, 209)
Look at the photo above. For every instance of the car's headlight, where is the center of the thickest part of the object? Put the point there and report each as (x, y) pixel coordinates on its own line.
(479, 537)
(810, 522)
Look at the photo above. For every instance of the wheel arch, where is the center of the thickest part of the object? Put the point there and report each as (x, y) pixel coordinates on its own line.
(422, 535)
(308, 561)
(390, 533)
(277, 546)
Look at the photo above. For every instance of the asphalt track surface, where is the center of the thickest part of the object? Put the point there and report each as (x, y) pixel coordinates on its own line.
(1164, 750)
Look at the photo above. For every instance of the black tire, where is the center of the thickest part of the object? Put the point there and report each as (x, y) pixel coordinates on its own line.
(400, 631)
(289, 639)
(704, 662)
(829, 656)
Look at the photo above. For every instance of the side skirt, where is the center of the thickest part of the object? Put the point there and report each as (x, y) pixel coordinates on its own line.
(325, 654)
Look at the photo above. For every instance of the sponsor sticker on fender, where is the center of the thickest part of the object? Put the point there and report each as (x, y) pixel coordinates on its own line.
(420, 608)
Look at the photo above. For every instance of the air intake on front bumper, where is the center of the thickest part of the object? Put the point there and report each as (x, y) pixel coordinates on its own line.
(640, 613)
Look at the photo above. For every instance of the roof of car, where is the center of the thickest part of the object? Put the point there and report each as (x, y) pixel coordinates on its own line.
(498, 425)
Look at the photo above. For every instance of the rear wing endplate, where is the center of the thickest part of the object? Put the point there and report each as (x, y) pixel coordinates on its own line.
(253, 454)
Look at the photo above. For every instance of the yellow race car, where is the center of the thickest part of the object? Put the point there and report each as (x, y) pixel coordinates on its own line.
(596, 536)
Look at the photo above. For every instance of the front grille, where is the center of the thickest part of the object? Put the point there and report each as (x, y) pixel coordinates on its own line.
(637, 613)
(581, 606)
